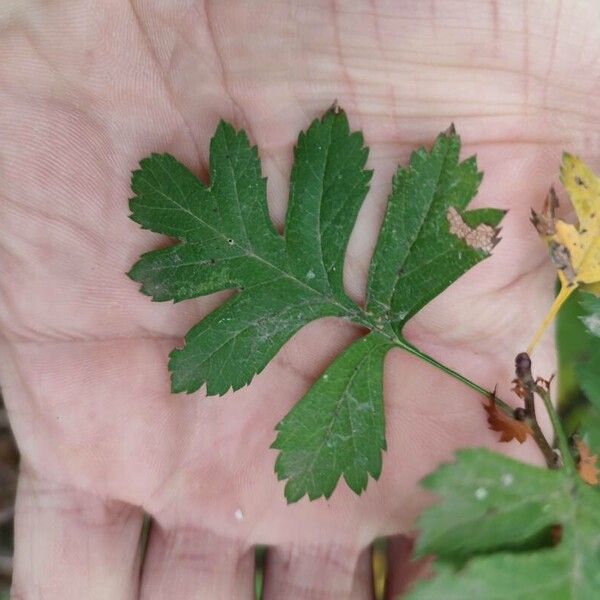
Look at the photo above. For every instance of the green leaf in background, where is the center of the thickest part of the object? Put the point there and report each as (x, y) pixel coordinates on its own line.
(589, 371)
(572, 345)
(226, 240)
(519, 532)
(591, 320)
(588, 422)
(491, 503)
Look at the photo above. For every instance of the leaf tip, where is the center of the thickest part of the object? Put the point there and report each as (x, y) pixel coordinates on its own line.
(567, 156)
(334, 108)
(450, 131)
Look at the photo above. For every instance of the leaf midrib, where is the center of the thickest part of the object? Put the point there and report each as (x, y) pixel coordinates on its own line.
(399, 273)
(237, 196)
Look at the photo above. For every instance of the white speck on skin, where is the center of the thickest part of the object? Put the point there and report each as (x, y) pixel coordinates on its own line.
(238, 514)
(325, 377)
(507, 479)
(481, 493)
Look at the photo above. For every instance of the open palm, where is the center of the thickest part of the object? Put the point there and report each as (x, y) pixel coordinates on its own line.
(89, 88)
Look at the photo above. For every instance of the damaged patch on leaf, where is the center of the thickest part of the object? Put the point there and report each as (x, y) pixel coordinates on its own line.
(483, 237)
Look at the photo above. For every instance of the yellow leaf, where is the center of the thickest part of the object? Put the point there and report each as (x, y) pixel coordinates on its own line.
(583, 242)
(574, 249)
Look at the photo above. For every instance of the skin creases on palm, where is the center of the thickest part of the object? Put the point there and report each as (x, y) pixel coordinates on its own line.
(87, 90)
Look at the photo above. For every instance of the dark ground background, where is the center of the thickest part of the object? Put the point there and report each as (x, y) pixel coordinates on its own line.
(8, 481)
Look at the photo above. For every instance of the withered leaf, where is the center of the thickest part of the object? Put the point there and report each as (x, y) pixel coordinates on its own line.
(588, 471)
(510, 428)
(574, 249)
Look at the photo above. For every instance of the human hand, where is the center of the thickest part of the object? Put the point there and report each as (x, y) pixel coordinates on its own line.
(89, 88)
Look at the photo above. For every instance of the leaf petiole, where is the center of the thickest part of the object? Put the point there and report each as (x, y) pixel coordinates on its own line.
(402, 343)
(566, 290)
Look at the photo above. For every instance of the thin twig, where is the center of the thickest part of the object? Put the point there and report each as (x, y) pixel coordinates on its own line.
(563, 442)
(525, 387)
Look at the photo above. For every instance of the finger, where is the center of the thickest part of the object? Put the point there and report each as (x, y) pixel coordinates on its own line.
(71, 544)
(195, 563)
(318, 573)
(402, 570)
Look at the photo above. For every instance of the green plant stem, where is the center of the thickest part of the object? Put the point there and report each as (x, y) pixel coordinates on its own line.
(474, 386)
(364, 320)
(561, 437)
(526, 380)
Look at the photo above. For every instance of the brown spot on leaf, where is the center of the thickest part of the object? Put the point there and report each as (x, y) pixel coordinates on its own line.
(483, 237)
(556, 532)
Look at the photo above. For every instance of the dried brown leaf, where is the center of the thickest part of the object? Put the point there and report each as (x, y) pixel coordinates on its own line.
(588, 471)
(510, 428)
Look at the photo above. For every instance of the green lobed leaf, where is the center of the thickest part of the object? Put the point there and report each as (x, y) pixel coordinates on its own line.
(226, 241)
(338, 427)
(327, 188)
(491, 509)
(417, 257)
